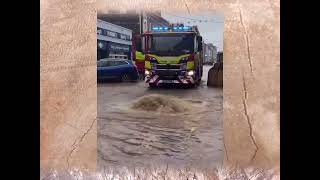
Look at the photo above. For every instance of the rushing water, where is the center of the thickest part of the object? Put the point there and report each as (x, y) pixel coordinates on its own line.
(168, 134)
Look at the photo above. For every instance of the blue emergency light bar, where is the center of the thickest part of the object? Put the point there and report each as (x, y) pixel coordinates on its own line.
(182, 28)
(174, 28)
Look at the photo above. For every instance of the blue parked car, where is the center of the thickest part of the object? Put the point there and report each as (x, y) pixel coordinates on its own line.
(116, 69)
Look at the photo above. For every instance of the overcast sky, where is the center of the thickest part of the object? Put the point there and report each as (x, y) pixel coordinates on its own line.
(211, 31)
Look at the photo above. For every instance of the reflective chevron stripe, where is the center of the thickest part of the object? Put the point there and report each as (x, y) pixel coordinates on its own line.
(152, 79)
(156, 79)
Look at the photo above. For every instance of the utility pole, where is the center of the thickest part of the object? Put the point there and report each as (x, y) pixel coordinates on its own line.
(144, 21)
(140, 21)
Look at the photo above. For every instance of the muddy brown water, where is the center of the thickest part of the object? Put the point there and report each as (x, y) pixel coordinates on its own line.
(168, 134)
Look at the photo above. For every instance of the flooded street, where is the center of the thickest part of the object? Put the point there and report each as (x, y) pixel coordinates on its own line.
(130, 136)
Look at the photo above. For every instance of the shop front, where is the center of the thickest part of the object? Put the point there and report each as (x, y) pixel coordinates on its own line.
(113, 41)
(107, 49)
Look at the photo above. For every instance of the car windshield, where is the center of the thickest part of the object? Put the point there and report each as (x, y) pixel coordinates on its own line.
(102, 63)
(171, 44)
(120, 63)
(111, 62)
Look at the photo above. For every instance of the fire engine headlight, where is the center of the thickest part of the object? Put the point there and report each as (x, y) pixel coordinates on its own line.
(184, 59)
(147, 72)
(184, 66)
(152, 59)
(190, 73)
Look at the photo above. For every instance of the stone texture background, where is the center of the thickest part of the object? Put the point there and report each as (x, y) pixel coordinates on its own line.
(251, 78)
(68, 83)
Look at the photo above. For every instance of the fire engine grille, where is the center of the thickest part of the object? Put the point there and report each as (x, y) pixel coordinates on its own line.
(168, 66)
(168, 73)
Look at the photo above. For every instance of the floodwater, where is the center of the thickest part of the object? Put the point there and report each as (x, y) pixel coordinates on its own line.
(182, 127)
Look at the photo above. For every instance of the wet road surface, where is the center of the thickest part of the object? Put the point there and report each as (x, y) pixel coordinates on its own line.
(133, 137)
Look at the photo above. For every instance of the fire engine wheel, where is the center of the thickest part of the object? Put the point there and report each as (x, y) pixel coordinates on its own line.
(125, 78)
(192, 85)
(198, 82)
(152, 85)
(141, 77)
(195, 84)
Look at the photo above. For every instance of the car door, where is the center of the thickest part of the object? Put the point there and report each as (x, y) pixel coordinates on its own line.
(109, 70)
(114, 70)
(123, 67)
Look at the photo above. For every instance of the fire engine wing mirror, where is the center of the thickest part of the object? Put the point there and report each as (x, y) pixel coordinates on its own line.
(200, 47)
(138, 43)
(199, 39)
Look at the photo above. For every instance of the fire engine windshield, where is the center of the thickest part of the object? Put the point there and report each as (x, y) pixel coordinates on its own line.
(171, 44)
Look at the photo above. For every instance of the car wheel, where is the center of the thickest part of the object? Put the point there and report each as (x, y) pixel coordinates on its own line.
(125, 78)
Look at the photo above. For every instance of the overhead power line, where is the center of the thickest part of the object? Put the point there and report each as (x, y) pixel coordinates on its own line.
(187, 6)
(199, 20)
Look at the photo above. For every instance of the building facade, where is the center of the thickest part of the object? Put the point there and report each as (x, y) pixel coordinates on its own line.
(210, 53)
(213, 52)
(205, 53)
(220, 57)
(113, 41)
(137, 21)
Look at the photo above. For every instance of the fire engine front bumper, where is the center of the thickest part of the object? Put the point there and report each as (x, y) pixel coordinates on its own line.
(157, 79)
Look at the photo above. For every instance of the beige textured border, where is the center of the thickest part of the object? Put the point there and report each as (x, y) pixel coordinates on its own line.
(251, 78)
